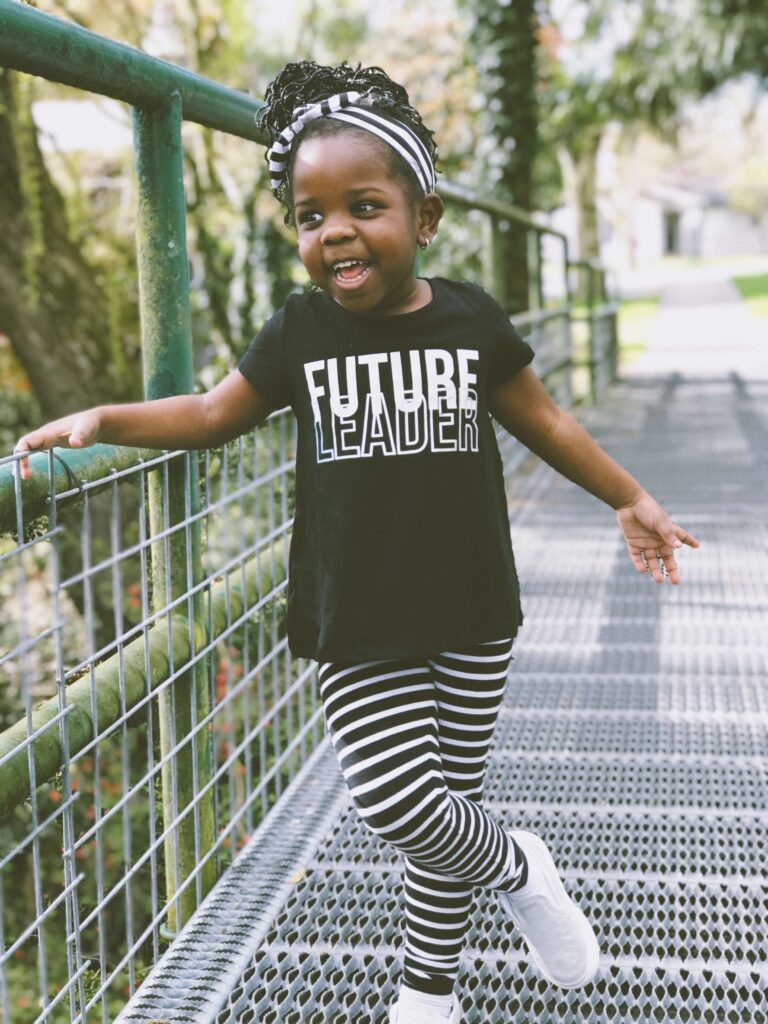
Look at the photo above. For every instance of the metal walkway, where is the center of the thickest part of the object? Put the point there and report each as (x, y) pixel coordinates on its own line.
(633, 739)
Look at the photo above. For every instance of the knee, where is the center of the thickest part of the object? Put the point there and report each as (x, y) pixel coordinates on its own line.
(468, 789)
(402, 819)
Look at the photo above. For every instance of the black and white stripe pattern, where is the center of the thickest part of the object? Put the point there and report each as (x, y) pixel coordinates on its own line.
(412, 739)
(343, 107)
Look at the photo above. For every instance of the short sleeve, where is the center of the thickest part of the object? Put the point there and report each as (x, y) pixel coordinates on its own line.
(264, 363)
(509, 353)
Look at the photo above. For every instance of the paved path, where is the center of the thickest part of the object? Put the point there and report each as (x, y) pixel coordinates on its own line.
(633, 739)
(704, 329)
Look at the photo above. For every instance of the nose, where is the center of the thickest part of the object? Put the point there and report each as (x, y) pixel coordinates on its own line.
(337, 228)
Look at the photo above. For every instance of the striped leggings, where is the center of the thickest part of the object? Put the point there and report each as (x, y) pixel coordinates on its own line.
(412, 739)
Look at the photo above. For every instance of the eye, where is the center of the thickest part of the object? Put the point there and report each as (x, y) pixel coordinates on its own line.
(308, 217)
(365, 206)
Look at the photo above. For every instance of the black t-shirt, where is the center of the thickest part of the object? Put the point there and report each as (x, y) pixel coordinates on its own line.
(401, 542)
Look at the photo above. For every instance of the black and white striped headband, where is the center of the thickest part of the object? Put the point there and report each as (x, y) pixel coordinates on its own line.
(342, 107)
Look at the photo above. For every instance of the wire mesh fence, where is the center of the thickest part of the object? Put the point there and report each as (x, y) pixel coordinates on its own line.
(92, 674)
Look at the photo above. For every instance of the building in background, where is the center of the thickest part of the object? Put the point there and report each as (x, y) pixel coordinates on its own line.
(685, 218)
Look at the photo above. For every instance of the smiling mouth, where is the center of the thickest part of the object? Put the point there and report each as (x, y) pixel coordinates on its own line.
(351, 272)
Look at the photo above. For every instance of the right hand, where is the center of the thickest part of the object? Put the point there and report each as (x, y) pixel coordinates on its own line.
(647, 528)
(80, 430)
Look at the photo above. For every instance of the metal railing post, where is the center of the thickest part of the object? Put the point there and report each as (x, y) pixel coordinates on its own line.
(494, 260)
(593, 356)
(167, 356)
(535, 271)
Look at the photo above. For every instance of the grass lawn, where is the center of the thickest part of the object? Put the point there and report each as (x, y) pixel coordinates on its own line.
(754, 291)
(635, 319)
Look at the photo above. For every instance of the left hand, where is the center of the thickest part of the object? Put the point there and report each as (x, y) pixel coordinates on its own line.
(652, 537)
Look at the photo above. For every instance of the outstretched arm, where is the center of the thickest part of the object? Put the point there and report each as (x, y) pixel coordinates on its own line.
(524, 407)
(184, 421)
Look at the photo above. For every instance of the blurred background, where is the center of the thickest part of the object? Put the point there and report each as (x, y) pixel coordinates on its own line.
(640, 129)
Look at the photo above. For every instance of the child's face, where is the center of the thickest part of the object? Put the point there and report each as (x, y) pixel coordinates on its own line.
(347, 206)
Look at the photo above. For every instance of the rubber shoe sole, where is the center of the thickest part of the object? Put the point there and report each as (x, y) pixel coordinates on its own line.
(559, 938)
(423, 1015)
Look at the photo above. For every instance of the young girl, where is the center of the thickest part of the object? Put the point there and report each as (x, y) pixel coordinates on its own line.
(402, 579)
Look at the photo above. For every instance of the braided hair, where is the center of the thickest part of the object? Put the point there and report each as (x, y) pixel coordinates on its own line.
(304, 82)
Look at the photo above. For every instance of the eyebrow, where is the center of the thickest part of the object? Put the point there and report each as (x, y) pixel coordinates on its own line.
(310, 200)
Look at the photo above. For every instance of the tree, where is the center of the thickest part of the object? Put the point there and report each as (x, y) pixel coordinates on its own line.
(603, 63)
(635, 62)
(54, 303)
(504, 42)
(737, 37)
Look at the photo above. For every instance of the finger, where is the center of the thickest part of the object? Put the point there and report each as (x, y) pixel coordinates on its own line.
(54, 435)
(34, 441)
(82, 432)
(668, 533)
(654, 565)
(667, 564)
(653, 562)
(40, 440)
(670, 567)
(689, 539)
(677, 536)
(22, 466)
(638, 559)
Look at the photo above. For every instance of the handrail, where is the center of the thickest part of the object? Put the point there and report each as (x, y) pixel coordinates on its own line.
(470, 200)
(70, 472)
(44, 45)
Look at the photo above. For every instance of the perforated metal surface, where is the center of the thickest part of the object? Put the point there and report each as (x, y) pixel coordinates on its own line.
(324, 988)
(196, 975)
(633, 740)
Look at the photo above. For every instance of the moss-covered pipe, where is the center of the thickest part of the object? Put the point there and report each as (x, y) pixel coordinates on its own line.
(41, 44)
(14, 773)
(85, 465)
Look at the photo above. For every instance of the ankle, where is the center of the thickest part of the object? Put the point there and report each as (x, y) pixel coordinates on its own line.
(523, 873)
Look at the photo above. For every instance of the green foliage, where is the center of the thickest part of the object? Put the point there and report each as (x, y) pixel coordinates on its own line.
(19, 412)
(635, 321)
(31, 192)
(635, 62)
(638, 60)
(459, 250)
(615, 69)
(503, 41)
(740, 31)
(754, 291)
(279, 258)
(748, 190)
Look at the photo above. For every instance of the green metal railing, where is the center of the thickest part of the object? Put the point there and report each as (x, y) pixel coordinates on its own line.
(208, 573)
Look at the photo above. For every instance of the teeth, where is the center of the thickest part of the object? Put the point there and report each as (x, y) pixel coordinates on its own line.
(347, 263)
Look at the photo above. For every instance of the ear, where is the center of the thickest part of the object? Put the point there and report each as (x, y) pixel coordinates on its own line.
(430, 213)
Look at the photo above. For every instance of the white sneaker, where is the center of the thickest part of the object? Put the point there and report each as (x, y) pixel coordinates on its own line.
(423, 1014)
(560, 939)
